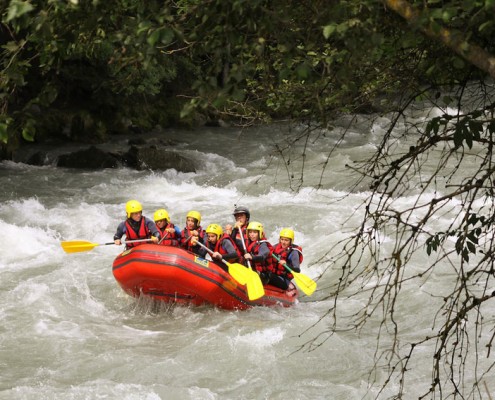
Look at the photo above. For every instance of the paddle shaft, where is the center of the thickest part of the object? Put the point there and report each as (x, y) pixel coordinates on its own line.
(211, 252)
(134, 241)
(164, 237)
(77, 246)
(244, 244)
(285, 264)
(184, 245)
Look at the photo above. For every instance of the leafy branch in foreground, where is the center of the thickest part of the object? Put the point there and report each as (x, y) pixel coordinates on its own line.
(445, 166)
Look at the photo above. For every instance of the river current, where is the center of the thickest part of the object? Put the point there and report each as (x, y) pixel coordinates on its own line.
(68, 331)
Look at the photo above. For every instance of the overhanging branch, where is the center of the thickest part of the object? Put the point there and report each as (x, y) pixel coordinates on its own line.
(452, 39)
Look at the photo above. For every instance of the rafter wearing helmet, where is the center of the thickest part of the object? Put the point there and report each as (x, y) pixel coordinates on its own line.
(192, 232)
(136, 226)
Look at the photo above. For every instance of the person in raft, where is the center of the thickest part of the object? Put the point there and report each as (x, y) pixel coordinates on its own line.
(170, 234)
(241, 215)
(192, 230)
(290, 254)
(222, 245)
(259, 251)
(136, 226)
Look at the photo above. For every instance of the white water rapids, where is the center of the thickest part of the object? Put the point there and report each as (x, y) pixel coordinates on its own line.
(67, 330)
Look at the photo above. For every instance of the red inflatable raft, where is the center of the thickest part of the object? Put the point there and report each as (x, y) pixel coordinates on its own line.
(171, 274)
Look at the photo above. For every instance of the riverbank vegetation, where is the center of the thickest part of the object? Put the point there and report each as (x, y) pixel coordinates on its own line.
(83, 70)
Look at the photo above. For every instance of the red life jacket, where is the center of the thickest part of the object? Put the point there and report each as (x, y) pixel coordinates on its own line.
(186, 234)
(267, 264)
(222, 251)
(131, 234)
(237, 236)
(284, 254)
(170, 239)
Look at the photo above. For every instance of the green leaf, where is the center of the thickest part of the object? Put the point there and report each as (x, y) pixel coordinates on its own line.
(17, 9)
(143, 26)
(328, 30)
(29, 131)
(458, 135)
(485, 25)
(303, 71)
(476, 127)
(4, 136)
(167, 35)
(489, 4)
(468, 137)
(153, 38)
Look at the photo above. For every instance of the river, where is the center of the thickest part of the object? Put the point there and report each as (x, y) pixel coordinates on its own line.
(69, 332)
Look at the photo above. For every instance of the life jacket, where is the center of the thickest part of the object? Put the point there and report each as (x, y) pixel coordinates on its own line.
(131, 234)
(267, 264)
(170, 239)
(222, 251)
(284, 254)
(186, 234)
(236, 235)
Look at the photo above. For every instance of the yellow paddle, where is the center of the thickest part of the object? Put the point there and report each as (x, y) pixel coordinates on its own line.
(76, 246)
(243, 275)
(305, 283)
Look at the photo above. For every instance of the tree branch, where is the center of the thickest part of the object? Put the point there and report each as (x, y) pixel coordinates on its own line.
(452, 39)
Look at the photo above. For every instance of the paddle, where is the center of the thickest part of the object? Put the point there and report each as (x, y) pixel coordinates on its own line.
(76, 246)
(243, 275)
(305, 283)
(241, 234)
(164, 237)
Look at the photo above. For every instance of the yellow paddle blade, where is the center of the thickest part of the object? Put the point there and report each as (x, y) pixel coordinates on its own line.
(305, 283)
(246, 276)
(76, 246)
(239, 272)
(254, 286)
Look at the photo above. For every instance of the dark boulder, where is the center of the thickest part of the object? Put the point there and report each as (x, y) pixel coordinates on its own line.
(155, 158)
(91, 158)
(39, 158)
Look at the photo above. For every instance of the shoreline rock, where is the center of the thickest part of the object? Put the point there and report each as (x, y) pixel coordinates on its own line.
(139, 154)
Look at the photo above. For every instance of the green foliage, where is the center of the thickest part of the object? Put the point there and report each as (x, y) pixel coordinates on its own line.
(68, 60)
(467, 239)
(248, 60)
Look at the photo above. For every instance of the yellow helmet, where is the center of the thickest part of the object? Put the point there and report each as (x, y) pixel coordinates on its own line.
(194, 214)
(255, 226)
(133, 206)
(215, 229)
(161, 214)
(287, 233)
